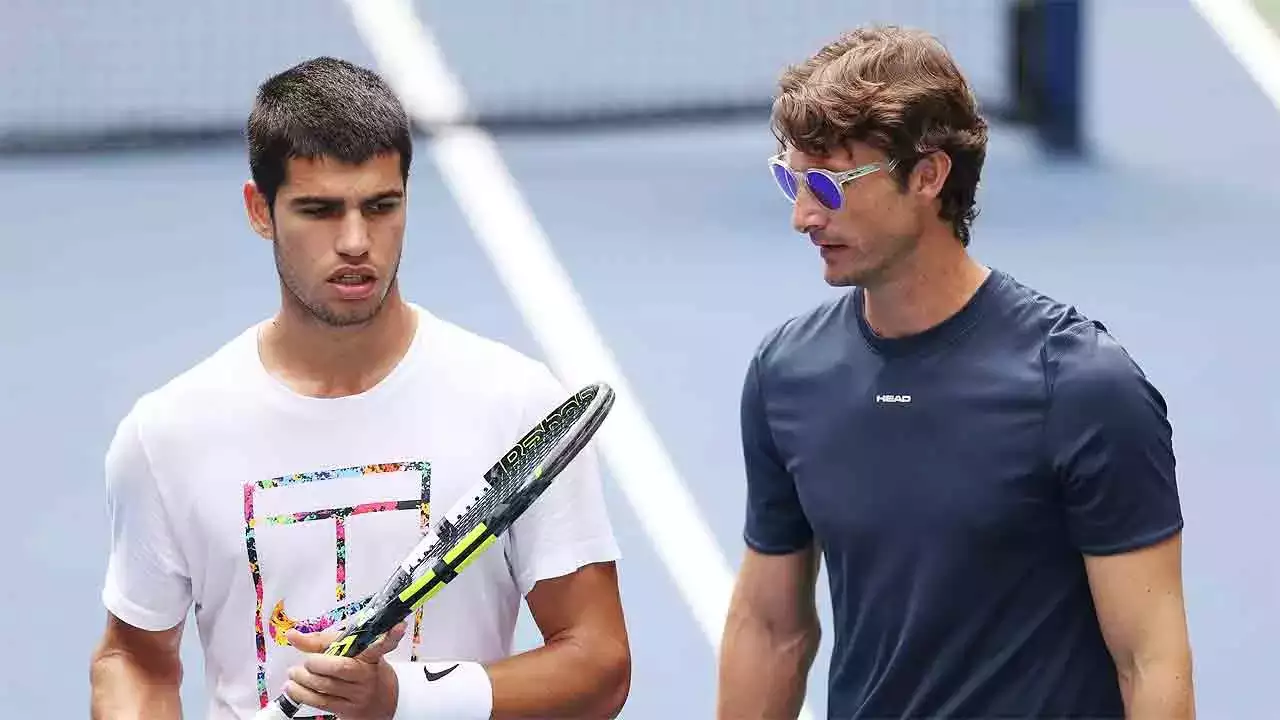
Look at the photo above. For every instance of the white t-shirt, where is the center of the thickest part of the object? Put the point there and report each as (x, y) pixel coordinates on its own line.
(267, 509)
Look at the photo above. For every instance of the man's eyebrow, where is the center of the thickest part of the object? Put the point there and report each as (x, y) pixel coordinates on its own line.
(329, 200)
(315, 200)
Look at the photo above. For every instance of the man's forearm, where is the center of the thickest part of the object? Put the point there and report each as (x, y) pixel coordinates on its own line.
(124, 689)
(1160, 690)
(762, 674)
(567, 677)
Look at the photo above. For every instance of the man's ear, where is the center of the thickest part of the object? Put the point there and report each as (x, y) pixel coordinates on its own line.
(255, 206)
(930, 174)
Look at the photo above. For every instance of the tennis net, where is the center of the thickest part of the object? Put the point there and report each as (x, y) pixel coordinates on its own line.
(146, 72)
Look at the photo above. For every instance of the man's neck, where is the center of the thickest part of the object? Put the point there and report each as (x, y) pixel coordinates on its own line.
(931, 285)
(319, 360)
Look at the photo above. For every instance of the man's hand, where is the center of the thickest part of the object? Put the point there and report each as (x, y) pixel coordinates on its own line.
(359, 688)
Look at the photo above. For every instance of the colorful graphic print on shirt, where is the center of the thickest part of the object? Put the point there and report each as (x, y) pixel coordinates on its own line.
(275, 624)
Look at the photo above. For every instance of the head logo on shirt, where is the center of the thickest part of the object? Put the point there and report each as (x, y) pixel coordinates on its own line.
(893, 399)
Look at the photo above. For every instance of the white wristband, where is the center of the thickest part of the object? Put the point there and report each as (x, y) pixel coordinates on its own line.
(449, 690)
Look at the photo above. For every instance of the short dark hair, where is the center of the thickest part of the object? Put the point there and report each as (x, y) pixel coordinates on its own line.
(898, 90)
(324, 107)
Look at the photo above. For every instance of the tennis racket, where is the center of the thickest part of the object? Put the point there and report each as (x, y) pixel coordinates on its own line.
(508, 489)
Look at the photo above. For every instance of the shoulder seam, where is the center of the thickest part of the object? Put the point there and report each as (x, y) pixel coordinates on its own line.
(776, 333)
(164, 501)
(1050, 380)
(764, 410)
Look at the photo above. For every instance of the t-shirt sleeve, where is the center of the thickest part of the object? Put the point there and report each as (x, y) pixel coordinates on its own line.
(568, 527)
(1110, 443)
(775, 520)
(146, 583)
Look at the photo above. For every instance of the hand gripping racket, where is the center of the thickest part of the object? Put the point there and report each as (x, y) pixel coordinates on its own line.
(472, 525)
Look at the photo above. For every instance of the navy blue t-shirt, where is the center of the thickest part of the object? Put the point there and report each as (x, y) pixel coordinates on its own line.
(953, 479)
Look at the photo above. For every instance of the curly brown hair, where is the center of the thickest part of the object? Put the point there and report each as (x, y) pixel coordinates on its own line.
(895, 89)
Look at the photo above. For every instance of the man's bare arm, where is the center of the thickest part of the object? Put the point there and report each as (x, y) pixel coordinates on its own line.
(136, 674)
(583, 670)
(1140, 607)
(770, 638)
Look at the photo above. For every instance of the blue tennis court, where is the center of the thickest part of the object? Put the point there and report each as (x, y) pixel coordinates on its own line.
(126, 266)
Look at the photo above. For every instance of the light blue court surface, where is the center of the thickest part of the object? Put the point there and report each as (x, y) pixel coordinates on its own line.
(122, 270)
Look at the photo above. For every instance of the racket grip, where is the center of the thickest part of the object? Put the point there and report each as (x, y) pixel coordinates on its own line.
(272, 711)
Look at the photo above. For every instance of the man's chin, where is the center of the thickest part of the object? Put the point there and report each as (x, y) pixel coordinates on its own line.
(841, 276)
(850, 274)
(340, 315)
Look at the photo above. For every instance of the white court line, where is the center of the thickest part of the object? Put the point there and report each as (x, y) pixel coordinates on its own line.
(473, 169)
(1248, 36)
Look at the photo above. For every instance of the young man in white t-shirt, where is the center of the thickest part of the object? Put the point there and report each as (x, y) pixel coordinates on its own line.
(275, 484)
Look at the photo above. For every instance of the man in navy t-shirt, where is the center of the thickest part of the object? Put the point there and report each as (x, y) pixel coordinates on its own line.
(988, 475)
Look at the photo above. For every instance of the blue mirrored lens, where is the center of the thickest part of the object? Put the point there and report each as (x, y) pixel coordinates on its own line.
(825, 189)
(785, 181)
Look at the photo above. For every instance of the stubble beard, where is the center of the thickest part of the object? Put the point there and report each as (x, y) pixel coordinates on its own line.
(318, 310)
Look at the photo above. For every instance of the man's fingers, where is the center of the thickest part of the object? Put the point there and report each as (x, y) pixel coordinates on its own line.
(301, 693)
(322, 683)
(347, 670)
(318, 642)
(385, 644)
(311, 642)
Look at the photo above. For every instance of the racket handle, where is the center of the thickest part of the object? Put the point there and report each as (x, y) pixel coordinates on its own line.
(273, 711)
